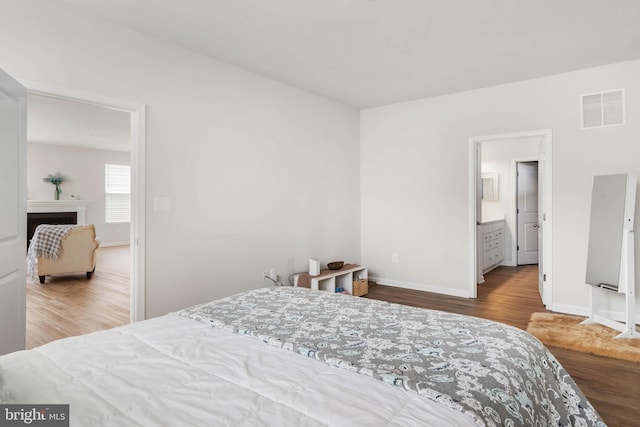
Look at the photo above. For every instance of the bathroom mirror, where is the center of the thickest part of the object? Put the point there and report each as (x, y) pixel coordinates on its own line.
(490, 186)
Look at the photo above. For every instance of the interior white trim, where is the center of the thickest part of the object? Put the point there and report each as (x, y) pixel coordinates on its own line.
(576, 310)
(138, 183)
(420, 287)
(77, 206)
(546, 134)
(114, 244)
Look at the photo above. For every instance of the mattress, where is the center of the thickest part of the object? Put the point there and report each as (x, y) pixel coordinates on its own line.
(174, 371)
(298, 357)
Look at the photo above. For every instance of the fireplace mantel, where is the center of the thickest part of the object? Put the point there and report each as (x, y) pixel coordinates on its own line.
(79, 206)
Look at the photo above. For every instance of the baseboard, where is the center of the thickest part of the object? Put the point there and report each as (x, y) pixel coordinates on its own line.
(618, 316)
(106, 245)
(508, 263)
(575, 310)
(421, 287)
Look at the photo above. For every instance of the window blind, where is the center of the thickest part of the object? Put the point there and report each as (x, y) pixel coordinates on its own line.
(117, 193)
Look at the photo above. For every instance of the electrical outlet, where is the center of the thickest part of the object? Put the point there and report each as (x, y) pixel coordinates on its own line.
(395, 258)
(272, 274)
(264, 276)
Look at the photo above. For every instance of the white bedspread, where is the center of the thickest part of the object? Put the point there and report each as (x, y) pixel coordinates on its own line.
(173, 371)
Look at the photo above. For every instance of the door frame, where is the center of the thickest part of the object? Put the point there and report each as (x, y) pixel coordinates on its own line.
(137, 309)
(514, 177)
(547, 230)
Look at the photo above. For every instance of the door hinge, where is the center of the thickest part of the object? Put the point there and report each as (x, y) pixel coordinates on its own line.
(517, 210)
(518, 248)
(544, 277)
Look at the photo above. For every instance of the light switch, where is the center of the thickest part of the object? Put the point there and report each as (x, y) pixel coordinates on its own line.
(161, 204)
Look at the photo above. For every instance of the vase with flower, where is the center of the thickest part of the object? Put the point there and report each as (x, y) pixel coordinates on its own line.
(56, 180)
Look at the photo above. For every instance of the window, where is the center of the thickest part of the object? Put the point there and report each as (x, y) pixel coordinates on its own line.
(117, 191)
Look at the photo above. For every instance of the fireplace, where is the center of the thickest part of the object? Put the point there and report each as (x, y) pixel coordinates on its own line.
(54, 212)
(34, 219)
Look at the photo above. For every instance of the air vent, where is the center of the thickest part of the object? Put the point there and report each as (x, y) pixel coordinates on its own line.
(603, 109)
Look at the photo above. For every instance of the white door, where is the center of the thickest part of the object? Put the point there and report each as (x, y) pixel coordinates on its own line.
(527, 211)
(479, 242)
(542, 165)
(13, 214)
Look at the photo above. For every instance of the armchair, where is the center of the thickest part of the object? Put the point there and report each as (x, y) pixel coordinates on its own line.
(78, 254)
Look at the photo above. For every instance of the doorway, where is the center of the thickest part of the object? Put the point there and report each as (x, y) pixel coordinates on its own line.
(136, 235)
(505, 208)
(79, 142)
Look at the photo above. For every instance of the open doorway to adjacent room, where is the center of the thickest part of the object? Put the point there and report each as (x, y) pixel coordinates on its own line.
(511, 197)
(78, 140)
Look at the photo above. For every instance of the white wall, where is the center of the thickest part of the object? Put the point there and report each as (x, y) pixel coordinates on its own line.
(260, 174)
(264, 175)
(415, 175)
(84, 170)
(498, 156)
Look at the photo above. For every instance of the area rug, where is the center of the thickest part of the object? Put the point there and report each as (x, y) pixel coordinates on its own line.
(560, 330)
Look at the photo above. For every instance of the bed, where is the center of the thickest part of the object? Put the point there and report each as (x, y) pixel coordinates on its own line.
(289, 356)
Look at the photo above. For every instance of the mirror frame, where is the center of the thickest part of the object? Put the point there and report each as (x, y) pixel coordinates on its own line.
(490, 186)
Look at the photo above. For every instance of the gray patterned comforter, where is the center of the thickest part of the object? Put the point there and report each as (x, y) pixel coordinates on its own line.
(497, 374)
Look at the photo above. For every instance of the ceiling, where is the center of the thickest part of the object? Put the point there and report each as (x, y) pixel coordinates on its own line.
(367, 53)
(76, 124)
(363, 53)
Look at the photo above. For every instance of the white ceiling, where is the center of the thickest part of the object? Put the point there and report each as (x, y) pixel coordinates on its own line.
(363, 53)
(76, 124)
(367, 53)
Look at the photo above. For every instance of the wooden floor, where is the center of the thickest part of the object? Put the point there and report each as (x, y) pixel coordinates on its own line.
(510, 295)
(72, 305)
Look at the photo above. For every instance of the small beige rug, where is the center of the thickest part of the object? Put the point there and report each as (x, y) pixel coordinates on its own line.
(560, 330)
